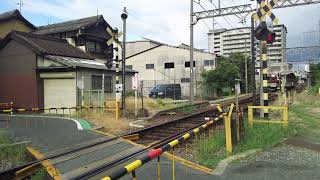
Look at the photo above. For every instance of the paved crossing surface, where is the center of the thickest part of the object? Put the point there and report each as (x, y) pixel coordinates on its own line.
(49, 135)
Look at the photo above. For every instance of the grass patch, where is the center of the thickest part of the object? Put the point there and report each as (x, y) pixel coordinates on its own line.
(188, 109)
(107, 119)
(210, 149)
(152, 105)
(15, 153)
(304, 115)
(104, 119)
(263, 136)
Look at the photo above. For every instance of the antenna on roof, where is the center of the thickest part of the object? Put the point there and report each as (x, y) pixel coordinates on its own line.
(20, 3)
(97, 13)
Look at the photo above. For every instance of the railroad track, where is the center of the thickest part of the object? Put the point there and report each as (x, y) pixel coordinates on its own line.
(160, 132)
(154, 137)
(168, 130)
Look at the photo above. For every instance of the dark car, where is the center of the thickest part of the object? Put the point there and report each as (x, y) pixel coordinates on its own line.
(166, 91)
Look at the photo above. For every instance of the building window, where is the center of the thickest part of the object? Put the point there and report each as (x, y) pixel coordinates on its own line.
(79, 42)
(63, 35)
(149, 66)
(185, 80)
(208, 62)
(108, 84)
(129, 67)
(187, 64)
(56, 36)
(97, 83)
(90, 46)
(169, 65)
(98, 47)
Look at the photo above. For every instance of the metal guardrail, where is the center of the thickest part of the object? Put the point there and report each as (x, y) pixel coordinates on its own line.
(284, 109)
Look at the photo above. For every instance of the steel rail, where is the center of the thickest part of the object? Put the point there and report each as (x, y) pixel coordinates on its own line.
(118, 161)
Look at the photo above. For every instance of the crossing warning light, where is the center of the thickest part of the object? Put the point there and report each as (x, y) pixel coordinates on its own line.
(262, 33)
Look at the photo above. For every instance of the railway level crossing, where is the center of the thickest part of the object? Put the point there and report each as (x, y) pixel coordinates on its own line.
(265, 36)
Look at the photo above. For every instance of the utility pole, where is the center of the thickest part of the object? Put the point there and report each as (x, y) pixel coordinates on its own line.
(246, 65)
(192, 79)
(124, 17)
(253, 62)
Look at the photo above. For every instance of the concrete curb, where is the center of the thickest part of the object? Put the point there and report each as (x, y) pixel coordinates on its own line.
(223, 164)
(81, 123)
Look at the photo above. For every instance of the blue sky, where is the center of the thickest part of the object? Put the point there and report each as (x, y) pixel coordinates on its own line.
(162, 20)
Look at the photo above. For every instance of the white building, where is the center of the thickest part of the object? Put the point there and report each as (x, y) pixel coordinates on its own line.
(223, 42)
(159, 63)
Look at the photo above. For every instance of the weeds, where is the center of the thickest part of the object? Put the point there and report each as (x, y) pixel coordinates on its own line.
(14, 155)
(104, 119)
(209, 150)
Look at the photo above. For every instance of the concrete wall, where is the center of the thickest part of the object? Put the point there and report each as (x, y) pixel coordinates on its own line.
(13, 24)
(18, 79)
(166, 54)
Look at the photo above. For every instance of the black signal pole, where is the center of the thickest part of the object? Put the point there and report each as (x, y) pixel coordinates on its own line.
(253, 62)
(124, 17)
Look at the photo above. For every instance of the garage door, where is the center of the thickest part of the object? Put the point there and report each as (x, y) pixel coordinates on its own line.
(59, 93)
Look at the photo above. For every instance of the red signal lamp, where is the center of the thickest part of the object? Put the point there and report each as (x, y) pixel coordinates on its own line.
(271, 37)
(262, 33)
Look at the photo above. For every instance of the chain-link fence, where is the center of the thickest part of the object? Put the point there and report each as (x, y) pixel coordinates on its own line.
(91, 97)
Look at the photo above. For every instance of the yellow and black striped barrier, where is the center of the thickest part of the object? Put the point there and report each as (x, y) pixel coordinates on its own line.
(19, 110)
(156, 153)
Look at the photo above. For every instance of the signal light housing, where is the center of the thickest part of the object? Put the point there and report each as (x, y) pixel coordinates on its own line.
(262, 33)
(109, 63)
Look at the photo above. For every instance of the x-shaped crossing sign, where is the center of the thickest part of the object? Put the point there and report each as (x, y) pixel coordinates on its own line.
(114, 36)
(265, 8)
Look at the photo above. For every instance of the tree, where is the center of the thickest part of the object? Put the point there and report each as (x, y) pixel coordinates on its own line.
(222, 77)
(315, 74)
(239, 59)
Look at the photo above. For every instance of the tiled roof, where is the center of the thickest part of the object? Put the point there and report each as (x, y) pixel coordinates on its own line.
(15, 14)
(69, 25)
(46, 45)
(84, 63)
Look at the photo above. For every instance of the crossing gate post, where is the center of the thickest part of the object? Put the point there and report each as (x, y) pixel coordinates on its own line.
(173, 175)
(250, 116)
(227, 125)
(115, 34)
(286, 115)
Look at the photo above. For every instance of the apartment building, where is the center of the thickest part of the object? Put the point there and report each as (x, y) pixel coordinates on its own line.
(223, 42)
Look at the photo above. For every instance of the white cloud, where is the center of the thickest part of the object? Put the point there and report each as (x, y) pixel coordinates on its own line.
(163, 20)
